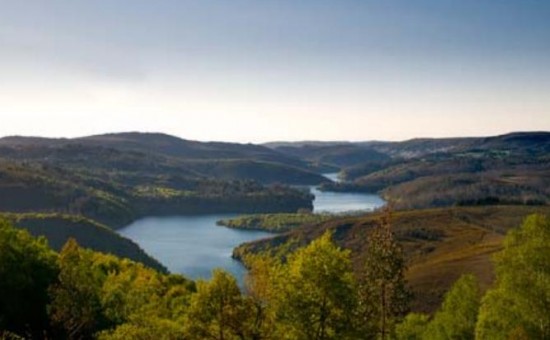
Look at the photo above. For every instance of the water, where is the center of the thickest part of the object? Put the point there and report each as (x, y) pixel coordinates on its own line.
(333, 177)
(191, 245)
(194, 245)
(339, 202)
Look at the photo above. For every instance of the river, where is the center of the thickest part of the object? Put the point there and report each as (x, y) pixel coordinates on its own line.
(194, 245)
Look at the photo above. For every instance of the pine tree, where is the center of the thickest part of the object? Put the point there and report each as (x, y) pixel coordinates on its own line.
(383, 295)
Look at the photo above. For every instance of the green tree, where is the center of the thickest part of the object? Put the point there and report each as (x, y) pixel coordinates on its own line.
(261, 294)
(383, 295)
(27, 268)
(412, 327)
(518, 306)
(145, 328)
(458, 314)
(76, 302)
(316, 293)
(217, 310)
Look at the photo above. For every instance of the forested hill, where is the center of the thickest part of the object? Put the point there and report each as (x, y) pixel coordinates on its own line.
(424, 173)
(163, 152)
(439, 244)
(187, 149)
(345, 154)
(59, 228)
(114, 179)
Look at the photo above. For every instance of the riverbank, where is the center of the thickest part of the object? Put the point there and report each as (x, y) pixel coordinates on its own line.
(193, 245)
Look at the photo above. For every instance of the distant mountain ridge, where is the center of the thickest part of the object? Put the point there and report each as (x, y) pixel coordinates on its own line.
(159, 143)
(344, 153)
(245, 161)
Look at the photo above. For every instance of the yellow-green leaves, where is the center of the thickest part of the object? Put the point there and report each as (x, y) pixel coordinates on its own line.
(457, 317)
(316, 295)
(519, 303)
(217, 310)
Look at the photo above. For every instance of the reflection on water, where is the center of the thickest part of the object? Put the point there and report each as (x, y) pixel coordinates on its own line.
(191, 245)
(338, 202)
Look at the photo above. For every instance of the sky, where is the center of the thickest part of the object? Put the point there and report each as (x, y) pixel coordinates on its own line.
(266, 70)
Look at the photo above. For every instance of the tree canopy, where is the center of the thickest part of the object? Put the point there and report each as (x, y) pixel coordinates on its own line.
(311, 294)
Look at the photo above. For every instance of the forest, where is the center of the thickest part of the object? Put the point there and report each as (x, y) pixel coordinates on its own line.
(448, 262)
(312, 294)
(509, 169)
(276, 223)
(275, 170)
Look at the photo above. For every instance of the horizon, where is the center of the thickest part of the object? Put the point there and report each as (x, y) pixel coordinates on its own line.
(277, 141)
(254, 72)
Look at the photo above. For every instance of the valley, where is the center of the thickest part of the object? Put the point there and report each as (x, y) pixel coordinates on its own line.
(194, 245)
(188, 212)
(121, 180)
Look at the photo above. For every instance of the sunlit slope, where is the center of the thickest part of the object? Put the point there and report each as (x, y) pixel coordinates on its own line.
(440, 244)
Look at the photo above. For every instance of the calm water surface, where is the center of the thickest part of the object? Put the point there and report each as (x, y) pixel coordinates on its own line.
(194, 245)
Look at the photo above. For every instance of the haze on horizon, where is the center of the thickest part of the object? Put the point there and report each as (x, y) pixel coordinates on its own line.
(256, 71)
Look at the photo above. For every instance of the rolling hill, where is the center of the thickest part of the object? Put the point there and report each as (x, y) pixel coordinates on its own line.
(508, 169)
(161, 154)
(58, 228)
(440, 244)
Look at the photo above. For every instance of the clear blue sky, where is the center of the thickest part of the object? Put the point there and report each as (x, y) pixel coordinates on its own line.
(252, 71)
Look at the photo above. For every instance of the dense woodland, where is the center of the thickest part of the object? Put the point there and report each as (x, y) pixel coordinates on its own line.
(312, 294)
(105, 182)
(448, 263)
(117, 196)
(424, 173)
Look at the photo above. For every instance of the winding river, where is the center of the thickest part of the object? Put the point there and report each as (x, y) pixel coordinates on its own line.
(194, 245)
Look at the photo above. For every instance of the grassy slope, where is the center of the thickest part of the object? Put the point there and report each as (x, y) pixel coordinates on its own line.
(58, 228)
(440, 244)
(507, 186)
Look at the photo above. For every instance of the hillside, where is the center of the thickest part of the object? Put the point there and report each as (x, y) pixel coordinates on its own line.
(335, 156)
(349, 154)
(508, 169)
(158, 143)
(116, 197)
(440, 244)
(161, 154)
(58, 229)
(77, 188)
